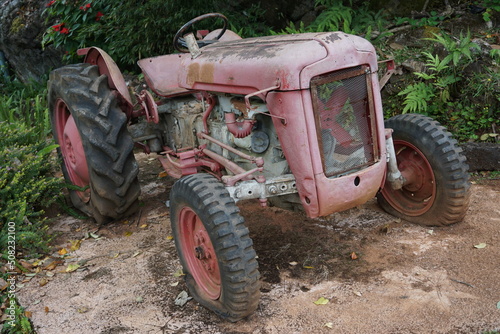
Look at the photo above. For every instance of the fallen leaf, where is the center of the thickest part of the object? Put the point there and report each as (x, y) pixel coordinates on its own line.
(26, 264)
(115, 255)
(357, 293)
(36, 302)
(46, 309)
(182, 298)
(481, 245)
(178, 273)
(49, 274)
(93, 235)
(136, 253)
(307, 267)
(125, 221)
(144, 225)
(169, 237)
(62, 251)
(139, 299)
(430, 231)
(43, 281)
(72, 267)
(293, 263)
(127, 234)
(82, 309)
(52, 265)
(329, 324)
(163, 174)
(396, 46)
(75, 245)
(30, 274)
(321, 301)
(498, 305)
(174, 284)
(27, 314)
(385, 228)
(354, 256)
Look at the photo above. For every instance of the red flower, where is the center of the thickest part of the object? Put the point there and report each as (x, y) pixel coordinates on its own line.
(98, 16)
(58, 27)
(84, 8)
(65, 31)
(50, 3)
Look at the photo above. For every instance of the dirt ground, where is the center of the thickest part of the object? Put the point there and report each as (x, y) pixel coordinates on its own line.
(404, 278)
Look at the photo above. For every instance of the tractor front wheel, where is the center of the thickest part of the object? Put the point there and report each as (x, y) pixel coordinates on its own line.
(214, 247)
(94, 144)
(437, 187)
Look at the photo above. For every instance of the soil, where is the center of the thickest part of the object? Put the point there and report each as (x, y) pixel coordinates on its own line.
(378, 273)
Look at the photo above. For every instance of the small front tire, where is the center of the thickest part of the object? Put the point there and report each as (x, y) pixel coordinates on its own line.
(437, 188)
(214, 247)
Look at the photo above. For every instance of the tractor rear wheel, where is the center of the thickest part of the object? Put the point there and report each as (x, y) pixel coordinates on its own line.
(94, 144)
(437, 188)
(214, 247)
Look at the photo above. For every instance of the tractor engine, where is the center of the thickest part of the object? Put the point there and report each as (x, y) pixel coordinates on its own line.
(252, 133)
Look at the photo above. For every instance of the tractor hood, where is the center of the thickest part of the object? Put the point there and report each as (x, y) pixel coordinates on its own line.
(248, 65)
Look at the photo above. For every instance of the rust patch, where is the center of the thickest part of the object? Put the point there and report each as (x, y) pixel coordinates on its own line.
(200, 73)
(240, 105)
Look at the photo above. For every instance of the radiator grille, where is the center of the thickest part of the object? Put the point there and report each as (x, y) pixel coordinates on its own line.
(344, 117)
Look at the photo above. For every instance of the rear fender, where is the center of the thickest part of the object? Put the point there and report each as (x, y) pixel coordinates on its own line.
(108, 67)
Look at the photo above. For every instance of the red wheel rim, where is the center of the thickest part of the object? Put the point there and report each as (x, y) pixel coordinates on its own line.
(419, 192)
(70, 144)
(199, 253)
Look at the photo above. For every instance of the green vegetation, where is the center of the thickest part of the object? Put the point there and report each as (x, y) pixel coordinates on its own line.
(21, 324)
(26, 183)
(338, 16)
(129, 30)
(465, 102)
(26, 186)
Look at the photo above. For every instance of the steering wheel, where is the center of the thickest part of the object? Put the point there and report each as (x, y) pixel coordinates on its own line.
(180, 43)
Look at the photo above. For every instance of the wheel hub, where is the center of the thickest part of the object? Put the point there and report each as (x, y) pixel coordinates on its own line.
(72, 149)
(419, 191)
(200, 254)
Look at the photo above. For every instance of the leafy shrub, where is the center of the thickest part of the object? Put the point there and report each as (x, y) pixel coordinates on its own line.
(130, 30)
(21, 325)
(337, 16)
(467, 104)
(25, 188)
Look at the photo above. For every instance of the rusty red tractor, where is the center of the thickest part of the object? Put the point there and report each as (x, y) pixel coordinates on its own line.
(291, 120)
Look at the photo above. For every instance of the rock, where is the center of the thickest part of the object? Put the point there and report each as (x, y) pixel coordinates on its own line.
(413, 66)
(21, 31)
(482, 156)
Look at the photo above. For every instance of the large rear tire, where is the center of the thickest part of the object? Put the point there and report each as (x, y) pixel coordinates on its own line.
(438, 189)
(214, 247)
(94, 144)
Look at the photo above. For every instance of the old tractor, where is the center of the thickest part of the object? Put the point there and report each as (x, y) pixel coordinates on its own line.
(290, 120)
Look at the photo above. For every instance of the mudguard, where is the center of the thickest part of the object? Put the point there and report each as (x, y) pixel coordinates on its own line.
(108, 67)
